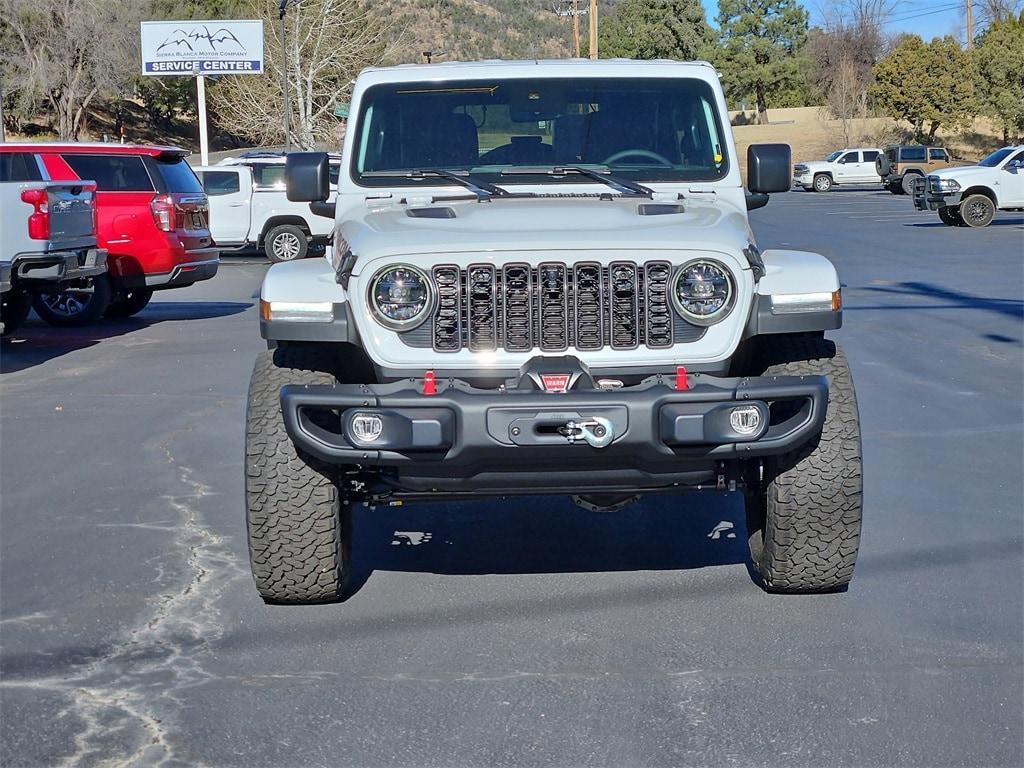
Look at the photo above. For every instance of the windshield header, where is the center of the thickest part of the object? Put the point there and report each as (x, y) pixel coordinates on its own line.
(638, 129)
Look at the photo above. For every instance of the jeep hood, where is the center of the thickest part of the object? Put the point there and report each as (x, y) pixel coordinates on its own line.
(544, 224)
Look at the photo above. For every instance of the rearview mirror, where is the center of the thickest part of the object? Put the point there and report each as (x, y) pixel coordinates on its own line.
(307, 178)
(769, 168)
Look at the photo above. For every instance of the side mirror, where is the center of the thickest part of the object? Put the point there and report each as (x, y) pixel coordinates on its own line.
(307, 178)
(755, 201)
(1014, 166)
(769, 168)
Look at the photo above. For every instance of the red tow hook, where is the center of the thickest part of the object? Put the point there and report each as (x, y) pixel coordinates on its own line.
(682, 383)
(429, 383)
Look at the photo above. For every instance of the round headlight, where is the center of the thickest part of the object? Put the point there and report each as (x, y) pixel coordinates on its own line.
(704, 292)
(401, 297)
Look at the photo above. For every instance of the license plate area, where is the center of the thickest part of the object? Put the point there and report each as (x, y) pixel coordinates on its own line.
(536, 426)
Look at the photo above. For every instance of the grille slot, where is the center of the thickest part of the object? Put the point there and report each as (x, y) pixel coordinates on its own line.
(517, 280)
(553, 307)
(624, 305)
(589, 299)
(481, 297)
(448, 317)
(659, 314)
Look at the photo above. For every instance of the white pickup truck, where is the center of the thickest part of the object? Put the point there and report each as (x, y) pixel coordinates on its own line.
(844, 166)
(969, 196)
(249, 208)
(47, 236)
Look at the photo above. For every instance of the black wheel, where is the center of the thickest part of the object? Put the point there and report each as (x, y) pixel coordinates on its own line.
(128, 304)
(75, 306)
(882, 165)
(896, 187)
(285, 242)
(908, 183)
(950, 216)
(977, 211)
(14, 308)
(822, 182)
(299, 527)
(804, 515)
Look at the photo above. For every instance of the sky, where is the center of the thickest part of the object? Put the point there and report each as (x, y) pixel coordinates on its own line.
(927, 18)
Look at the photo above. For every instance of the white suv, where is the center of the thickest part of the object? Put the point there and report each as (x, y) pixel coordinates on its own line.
(250, 209)
(544, 282)
(845, 166)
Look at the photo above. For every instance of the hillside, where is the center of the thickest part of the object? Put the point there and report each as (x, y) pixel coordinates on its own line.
(481, 29)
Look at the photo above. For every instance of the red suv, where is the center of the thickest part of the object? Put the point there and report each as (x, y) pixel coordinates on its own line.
(152, 217)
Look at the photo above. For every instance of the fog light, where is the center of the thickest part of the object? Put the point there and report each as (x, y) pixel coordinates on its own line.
(367, 427)
(745, 420)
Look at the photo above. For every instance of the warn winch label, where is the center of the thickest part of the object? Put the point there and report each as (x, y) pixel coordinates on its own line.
(555, 382)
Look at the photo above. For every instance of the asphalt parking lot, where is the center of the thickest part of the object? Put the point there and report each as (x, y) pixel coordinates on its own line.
(522, 633)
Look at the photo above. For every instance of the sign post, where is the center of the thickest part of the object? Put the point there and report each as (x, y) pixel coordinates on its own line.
(201, 48)
(204, 139)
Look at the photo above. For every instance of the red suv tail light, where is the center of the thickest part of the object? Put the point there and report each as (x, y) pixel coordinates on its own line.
(39, 220)
(163, 209)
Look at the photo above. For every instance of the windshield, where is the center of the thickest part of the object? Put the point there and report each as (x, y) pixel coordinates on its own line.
(639, 129)
(996, 157)
(833, 156)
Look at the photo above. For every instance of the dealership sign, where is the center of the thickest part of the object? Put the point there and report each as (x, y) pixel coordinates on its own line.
(202, 47)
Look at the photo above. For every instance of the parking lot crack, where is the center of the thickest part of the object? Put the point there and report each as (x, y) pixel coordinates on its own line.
(122, 699)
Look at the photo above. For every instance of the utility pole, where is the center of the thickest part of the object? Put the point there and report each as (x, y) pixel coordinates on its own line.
(573, 12)
(970, 25)
(282, 9)
(593, 29)
(576, 26)
(3, 137)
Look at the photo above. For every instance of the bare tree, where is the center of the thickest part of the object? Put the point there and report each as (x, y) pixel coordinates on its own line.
(844, 51)
(992, 11)
(67, 53)
(328, 43)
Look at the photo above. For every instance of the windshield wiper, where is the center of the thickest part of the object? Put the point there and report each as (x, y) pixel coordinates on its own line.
(619, 184)
(482, 189)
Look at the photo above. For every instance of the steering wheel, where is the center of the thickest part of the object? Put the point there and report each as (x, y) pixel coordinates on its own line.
(660, 159)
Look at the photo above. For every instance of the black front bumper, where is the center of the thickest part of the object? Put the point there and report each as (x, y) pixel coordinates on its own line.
(928, 197)
(468, 439)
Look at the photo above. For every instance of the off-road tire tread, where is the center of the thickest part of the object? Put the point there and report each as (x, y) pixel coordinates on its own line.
(812, 498)
(298, 526)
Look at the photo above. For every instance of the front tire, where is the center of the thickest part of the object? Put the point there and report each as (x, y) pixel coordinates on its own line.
(822, 182)
(285, 242)
(804, 517)
(950, 216)
(75, 307)
(977, 211)
(299, 527)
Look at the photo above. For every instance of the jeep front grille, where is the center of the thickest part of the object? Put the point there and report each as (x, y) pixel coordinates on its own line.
(554, 306)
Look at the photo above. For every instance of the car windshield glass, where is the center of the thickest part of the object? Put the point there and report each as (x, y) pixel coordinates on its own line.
(833, 156)
(639, 129)
(995, 158)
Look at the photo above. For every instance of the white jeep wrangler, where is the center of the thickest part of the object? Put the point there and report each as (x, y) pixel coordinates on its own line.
(969, 196)
(543, 281)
